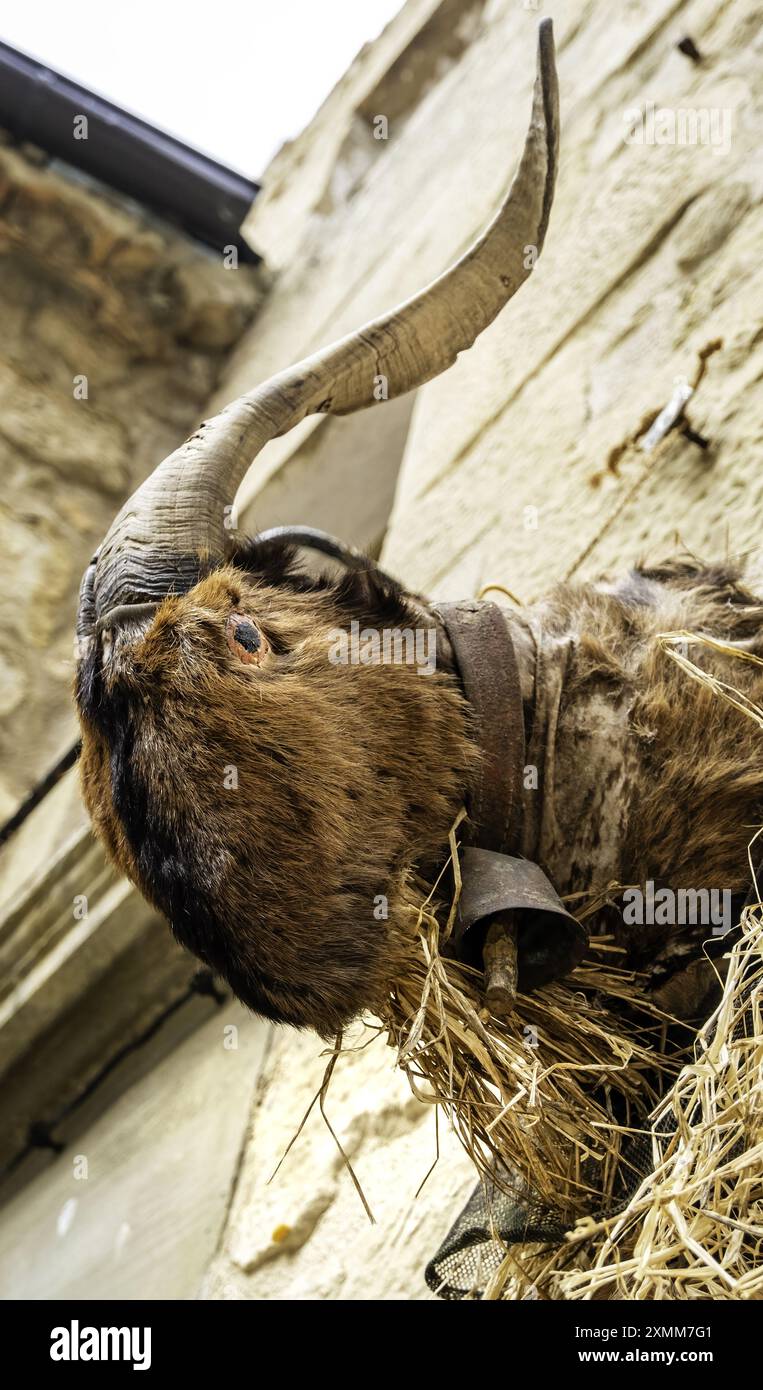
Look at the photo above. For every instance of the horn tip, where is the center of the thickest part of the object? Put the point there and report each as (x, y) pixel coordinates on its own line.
(546, 46)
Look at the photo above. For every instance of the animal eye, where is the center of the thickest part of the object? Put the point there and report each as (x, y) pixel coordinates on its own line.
(245, 639)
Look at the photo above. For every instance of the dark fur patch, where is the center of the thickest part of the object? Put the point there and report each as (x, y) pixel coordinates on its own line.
(366, 595)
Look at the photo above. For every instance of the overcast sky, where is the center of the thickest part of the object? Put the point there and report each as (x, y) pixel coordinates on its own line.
(233, 78)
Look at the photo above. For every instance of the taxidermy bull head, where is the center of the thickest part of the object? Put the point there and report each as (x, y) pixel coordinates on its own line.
(261, 795)
(264, 796)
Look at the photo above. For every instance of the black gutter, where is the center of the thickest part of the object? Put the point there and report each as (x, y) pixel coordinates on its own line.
(206, 199)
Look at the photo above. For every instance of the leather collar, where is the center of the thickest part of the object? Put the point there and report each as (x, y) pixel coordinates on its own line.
(500, 889)
(487, 664)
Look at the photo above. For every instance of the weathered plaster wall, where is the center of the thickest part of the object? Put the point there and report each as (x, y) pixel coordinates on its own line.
(651, 257)
(652, 254)
(305, 1234)
(135, 1206)
(95, 297)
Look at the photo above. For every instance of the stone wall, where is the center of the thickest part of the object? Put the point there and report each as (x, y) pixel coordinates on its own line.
(114, 329)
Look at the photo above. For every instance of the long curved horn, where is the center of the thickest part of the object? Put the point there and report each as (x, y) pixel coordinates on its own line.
(175, 521)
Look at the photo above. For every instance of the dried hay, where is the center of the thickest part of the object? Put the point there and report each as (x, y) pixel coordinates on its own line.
(536, 1091)
(694, 1227)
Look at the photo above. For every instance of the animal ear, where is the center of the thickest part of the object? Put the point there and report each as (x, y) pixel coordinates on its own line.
(373, 598)
(272, 562)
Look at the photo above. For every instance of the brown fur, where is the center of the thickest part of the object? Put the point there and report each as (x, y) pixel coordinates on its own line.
(693, 796)
(349, 776)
